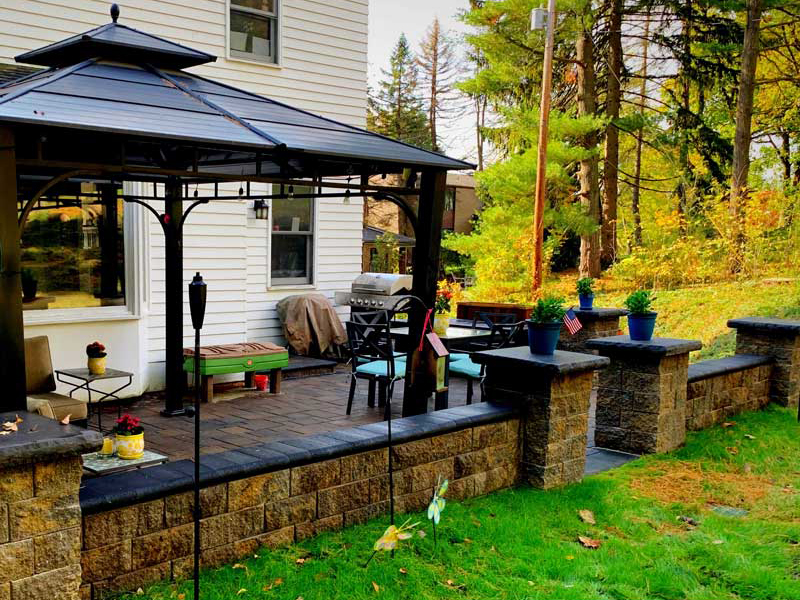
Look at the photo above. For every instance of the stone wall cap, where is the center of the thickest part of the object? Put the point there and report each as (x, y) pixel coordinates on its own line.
(705, 369)
(766, 324)
(657, 346)
(560, 363)
(597, 314)
(39, 439)
(118, 490)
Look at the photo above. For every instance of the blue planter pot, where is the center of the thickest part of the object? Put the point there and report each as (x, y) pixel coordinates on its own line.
(586, 301)
(543, 337)
(641, 327)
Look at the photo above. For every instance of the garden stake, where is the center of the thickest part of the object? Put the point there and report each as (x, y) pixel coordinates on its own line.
(197, 304)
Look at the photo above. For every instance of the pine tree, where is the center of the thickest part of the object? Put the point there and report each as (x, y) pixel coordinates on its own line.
(439, 65)
(396, 110)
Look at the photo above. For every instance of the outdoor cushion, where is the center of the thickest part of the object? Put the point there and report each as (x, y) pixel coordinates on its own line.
(56, 406)
(380, 368)
(459, 356)
(38, 366)
(466, 367)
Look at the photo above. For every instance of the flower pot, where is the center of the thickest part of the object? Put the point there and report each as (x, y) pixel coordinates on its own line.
(640, 327)
(130, 447)
(97, 365)
(586, 301)
(29, 289)
(543, 337)
(441, 323)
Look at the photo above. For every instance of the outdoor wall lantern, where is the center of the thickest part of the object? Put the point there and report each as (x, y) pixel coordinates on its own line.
(538, 19)
(262, 209)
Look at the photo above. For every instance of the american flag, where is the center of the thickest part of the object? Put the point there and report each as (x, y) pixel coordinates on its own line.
(572, 322)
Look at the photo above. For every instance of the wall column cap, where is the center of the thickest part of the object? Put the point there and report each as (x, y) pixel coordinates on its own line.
(655, 348)
(560, 363)
(766, 325)
(40, 439)
(599, 314)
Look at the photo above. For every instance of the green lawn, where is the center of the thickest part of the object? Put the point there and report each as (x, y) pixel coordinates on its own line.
(522, 543)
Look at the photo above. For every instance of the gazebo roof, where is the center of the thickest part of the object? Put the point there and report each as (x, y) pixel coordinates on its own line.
(121, 81)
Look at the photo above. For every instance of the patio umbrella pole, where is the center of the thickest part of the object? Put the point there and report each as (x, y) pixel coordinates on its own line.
(197, 304)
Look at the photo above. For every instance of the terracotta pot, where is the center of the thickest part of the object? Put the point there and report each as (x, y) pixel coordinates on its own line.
(97, 366)
(130, 447)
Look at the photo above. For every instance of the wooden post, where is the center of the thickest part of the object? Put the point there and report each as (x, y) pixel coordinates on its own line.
(12, 334)
(426, 273)
(173, 287)
(109, 244)
(541, 162)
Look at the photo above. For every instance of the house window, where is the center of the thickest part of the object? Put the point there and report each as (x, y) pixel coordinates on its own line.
(72, 251)
(254, 29)
(449, 218)
(292, 243)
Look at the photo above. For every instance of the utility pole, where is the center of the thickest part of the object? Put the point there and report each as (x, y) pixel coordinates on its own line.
(541, 162)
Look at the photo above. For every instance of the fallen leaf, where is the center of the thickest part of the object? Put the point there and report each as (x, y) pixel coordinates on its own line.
(10, 426)
(241, 591)
(300, 561)
(748, 468)
(569, 557)
(590, 543)
(278, 581)
(732, 450)
(65, 420)
(688, 520)
(5, 433)
(18, 419)
(240, 566)
(181, 596)
(403, 571)
(421, 533)
(467, 541)
(718, 542)
(255, 555)
(530, 582)
(376, 587)
(299, 598)
(587, 516)
(140, 592)
(749, 437)
(453, 584)
(729, 423)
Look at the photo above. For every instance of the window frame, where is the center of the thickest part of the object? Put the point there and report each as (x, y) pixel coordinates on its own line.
(249, 57)
(312, 259)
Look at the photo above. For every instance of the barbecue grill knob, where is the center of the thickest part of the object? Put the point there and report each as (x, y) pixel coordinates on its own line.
(372, 302)
(380, 303)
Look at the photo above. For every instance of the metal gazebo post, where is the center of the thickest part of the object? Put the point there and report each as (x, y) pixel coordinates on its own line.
(197, 304)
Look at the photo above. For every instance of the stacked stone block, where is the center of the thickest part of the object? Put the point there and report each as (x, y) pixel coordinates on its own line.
(779, 339)
(714, 398)
(554, 393)
(600, 322)
(130, 547)
(641, 397)
(40, 516)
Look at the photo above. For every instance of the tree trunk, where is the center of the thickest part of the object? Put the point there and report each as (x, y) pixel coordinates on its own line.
(786, 160)
(637, 175)
(608, 233)
(480, 122)
(742, 137)
(590, 192)
(434, 107)
(682, 123)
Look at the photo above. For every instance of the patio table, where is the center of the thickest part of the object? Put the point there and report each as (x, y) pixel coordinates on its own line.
(82, 379)
(99, 464)
(455, 338)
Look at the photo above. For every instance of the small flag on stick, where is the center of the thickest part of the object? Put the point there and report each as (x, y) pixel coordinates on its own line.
(572, 322)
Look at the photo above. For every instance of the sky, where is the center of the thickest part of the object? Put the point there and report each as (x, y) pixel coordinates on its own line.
(388, 19)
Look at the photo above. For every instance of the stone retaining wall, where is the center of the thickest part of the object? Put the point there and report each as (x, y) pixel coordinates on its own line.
(132, 546)
(720, 389)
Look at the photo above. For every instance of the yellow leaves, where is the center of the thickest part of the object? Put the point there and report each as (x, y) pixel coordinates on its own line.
(589, 543)
(240, 566)
(587, 516)
(241, 591)
(376, 587)
(272, 585)
(403, 571)
(300, 561)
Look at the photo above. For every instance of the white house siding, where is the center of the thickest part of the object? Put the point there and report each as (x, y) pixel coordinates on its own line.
(323, 69)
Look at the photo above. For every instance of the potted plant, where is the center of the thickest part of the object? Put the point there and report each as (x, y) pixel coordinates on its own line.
(97, 358)
(441, 318)
(29, 285)
(544, 326)
(585, 287)
(641, 320)
(129, 436)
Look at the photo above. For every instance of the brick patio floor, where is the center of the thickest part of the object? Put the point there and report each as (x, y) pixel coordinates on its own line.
(241, 418)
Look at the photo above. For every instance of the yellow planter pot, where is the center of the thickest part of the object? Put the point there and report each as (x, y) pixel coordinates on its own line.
(130, 446)
(441, 323)
(97, 366)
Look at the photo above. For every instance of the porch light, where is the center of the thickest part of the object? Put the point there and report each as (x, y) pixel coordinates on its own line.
(538, 19)
(262, 209)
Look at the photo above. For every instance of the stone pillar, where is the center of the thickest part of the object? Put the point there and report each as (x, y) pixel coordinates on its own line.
(554, 393)
(780, 339)
(641, 398)
(40, 517)
(597, 323)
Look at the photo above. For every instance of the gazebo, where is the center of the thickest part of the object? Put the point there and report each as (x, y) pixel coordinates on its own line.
(115, 105)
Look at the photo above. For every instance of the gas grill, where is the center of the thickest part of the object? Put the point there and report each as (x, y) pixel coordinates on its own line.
(375, 291)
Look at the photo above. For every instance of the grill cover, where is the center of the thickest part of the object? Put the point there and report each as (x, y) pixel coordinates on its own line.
(311, 325)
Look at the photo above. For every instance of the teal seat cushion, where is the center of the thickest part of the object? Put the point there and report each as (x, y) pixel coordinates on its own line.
(466, 368)
(380, 368)
(458, 356)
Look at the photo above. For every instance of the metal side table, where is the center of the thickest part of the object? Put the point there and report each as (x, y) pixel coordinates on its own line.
(82, 379)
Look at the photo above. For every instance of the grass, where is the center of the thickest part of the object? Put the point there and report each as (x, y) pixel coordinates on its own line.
(699, 312)
(522, 543)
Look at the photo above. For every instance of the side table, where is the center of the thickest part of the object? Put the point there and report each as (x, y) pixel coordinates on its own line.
(82, 379)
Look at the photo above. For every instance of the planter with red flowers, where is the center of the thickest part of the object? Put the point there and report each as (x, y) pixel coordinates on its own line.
(97, 358)
(129, 437)
(441, 318)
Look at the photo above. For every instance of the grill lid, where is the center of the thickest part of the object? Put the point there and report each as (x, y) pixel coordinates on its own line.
(384, 284)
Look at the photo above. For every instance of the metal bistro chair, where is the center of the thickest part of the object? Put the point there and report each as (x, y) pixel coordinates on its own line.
(501, 336)
(373, 358)
(490, 319)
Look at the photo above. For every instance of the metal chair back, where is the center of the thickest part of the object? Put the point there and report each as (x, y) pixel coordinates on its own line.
(370, 342)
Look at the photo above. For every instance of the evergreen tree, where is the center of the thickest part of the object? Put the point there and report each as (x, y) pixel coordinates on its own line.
(396, 110)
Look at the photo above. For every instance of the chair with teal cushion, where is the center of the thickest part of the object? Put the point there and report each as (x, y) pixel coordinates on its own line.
(373, 358)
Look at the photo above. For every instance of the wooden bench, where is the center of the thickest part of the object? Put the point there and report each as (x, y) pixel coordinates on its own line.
(248, 358)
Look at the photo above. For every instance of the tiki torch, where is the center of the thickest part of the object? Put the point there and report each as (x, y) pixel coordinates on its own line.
(197, 304)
